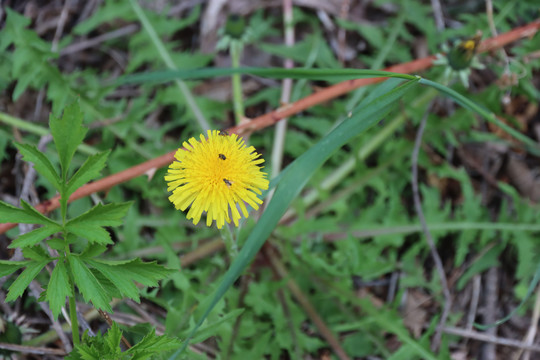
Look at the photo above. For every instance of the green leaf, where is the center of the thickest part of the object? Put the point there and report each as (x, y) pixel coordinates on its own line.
(8, 267)
(92, 233)
(93, 250)
(88, 171)
(41, 163)
(104, 215)
(59, 288)
(152, 344)
(118, 277)
(107, 284)
(21, 283)
(113, 337)
(36, 253)
(89, 225)
(26, 215)
(122, 274)
(146, 273)
(212, 329)
(57, 244)
(84, 352)
(67, 133)
(89, 285)
(293, 179)
(35, 236)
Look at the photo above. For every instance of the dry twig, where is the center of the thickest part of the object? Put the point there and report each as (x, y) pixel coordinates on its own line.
(434, 254)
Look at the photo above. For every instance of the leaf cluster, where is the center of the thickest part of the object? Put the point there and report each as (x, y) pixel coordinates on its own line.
(98, 280)
(107, 346)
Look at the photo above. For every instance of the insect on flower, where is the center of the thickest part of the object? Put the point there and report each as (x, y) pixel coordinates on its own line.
(201, 180)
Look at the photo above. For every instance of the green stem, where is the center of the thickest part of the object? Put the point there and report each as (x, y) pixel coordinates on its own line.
(72, 304)
(236, 51)
(229, 240)
(73, 317)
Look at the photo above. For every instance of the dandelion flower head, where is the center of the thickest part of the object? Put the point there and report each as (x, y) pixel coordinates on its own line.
(218, 175)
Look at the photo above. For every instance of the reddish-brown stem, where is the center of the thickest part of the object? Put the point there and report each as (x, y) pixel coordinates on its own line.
(272, 117)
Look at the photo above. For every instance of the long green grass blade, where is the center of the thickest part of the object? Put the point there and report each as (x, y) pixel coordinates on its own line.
(531, 145)
(294, 178)
(276, 73)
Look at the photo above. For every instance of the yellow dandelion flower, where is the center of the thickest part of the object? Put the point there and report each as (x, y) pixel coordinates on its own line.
(216, 175)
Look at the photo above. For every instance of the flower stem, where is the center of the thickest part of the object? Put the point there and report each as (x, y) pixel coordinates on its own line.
(238, 104)
(229, 240)
(72, 305)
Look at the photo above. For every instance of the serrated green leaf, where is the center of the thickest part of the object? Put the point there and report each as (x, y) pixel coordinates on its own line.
(68, 133)
(35, 236)
(152, 344)
(93, 250)
(211, 329)
(59, 288)
(36, 253)
(118, 277)
(103, 215)
(8, 267)
(92, 233)
(41, 163)
(107, 284)
(146, 273)
(89, 285)
(113, 337)
(86, 353)
(89, 225)
(26, 215)
(56, 244)
(88, 171)
(21, 283)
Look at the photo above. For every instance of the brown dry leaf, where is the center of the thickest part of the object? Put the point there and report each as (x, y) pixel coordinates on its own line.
(501, 133)
(326, 355)
(415, 313)
(364, 293)
(523, 110)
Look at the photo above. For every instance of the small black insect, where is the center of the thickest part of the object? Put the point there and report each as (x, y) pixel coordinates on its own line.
(222, 157)
(227, 182)
(223, 133)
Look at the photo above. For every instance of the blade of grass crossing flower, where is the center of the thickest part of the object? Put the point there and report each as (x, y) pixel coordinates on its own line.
(294, 178)
(531, 146)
